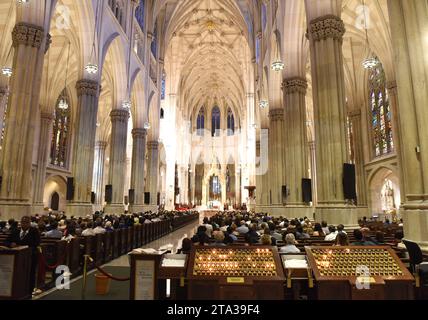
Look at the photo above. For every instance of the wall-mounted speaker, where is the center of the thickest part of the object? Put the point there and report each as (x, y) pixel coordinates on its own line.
(93, 196)
(284, 193)
(146, 197)
(131, 196)
(109, 193)
(70, 189)
(307, 190)
(349, 182)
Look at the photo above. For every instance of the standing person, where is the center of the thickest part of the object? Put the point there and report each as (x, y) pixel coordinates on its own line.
(29, 236)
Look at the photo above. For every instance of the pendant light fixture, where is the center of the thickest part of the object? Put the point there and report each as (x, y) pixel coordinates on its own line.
(371, 61)
(63, 103)
(277, 64)
(91, 67)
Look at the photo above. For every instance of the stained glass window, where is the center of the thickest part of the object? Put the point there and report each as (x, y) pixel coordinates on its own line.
(215, 128)
(139, 14)
(230, 123)
(380, 112)
(61, 134)
(200, 123)
(163, 86)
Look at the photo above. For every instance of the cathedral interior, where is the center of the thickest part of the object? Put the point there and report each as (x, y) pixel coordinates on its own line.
(179, 112)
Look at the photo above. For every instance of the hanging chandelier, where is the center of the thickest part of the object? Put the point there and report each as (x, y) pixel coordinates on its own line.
(126, 104)
(63, 104)
(370, 62)
(263, 104)
(91, 68)
(7, 71)
(278, 66)
(147, 125)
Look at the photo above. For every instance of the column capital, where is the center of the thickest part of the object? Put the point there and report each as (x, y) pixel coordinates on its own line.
(295, 84)
(28, 35)
(324, 27)
(121, 115)
(152, 145)
(87, 87)
(49, 116)
(139, 133)
(276, 114)
(101, 144)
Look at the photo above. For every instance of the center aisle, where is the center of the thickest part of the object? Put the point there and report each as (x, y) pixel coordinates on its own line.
(119, 268)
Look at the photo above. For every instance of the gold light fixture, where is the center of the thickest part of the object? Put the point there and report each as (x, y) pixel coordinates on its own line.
(91, 67)
(371, 61)
(263, 104)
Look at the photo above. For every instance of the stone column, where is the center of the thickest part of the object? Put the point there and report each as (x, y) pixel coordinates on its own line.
(23, 104)
(4, 92)
(98, 176)
(357, 140)
(295, 145)
(137, 171)
(325, 36)
(276, 156)
(152, 173)
(84, 147)
(262, 171)
(396, 136)
(410, 47)
(313, 172)
(117, 169)
(192, 186)
(43, 154)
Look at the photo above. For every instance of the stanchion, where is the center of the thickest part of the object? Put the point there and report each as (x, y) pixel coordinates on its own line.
(85, 270)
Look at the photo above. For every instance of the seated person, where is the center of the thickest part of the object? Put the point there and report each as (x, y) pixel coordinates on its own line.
(87, 230)
(186, 246)
(54, 232)
(273, 233)
(331, 236)
(366, 235)
(359, 239)
(201, 236)
(265, 240)
(242, 229)
(325, 227)
(99, 227)
(318, 231)
(252, 236)
(380, 238)
(229, 236)
(290, 244)
(218, 239)
(342, 239)
(300, 234)
(341, 228)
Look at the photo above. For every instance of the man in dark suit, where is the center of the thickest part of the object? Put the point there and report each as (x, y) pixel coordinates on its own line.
(27, 236)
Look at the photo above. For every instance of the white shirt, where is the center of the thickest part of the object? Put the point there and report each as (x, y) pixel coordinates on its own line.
(331, 237)
(88, 232)
(209, 229)
(289, 248)
(99, 230)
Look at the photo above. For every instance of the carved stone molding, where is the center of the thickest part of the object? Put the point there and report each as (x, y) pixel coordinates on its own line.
(121, 115)
(328, 26)
(152, 145)
(295, 84)
(276, 114)
(139, 133)
(28, 35)
(101, 144)
(87, 87)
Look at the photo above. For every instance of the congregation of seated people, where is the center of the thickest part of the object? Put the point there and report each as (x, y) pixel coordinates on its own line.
(246, 228)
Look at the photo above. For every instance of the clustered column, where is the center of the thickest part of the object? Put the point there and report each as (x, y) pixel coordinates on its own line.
(295, 143)
(98, 178)
(152, 174)
(84, 146)
(326, 35)
(137, 171)
(23, 103)
(119, 133)
(42, 159)
(408, 34)
(276, 156)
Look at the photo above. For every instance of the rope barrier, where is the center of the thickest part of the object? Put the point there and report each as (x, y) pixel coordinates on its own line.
(108, 274)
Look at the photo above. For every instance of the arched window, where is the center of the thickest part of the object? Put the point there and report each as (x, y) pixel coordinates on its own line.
(163, 86)
(61, 133)
(230, 123)
(200, 123)
(139, 14)
(215, 120)
(380, 112)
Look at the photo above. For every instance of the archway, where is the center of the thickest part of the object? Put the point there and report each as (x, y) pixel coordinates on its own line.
(54, 201)
(54, 194)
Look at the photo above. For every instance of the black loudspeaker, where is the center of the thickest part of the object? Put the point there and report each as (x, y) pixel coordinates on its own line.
(307, 190)
(70, 188)
(109, 193)
(349, 182)
(158, 199)
(1, 181)
(131, 196)
(146, 197)
(284, 194)
(93, 196)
